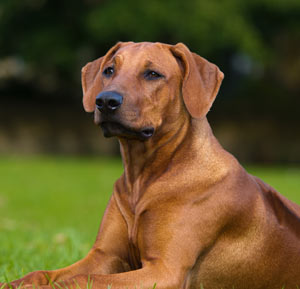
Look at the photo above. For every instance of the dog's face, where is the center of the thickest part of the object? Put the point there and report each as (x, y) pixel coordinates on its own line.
(138, 89)
(142, 81)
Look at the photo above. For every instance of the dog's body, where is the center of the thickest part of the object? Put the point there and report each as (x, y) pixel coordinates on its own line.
(184, 214)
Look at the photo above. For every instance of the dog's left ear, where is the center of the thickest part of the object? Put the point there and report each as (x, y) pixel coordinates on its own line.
(201, 81)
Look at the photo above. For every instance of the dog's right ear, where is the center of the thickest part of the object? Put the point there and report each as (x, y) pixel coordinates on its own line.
(91, 78)
(91, 83)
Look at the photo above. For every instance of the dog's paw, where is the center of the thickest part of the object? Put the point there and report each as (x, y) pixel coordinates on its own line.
(35, 287)
(35, 280)
(6, 286)
(14, 285)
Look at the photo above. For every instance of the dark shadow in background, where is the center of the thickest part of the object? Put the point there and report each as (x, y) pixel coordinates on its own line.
(44, 44)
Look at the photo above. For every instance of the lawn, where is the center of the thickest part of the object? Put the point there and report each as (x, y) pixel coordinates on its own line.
(50, 210)
(51, 207)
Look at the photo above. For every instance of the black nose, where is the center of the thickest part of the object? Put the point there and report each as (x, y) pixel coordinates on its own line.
(108, 101)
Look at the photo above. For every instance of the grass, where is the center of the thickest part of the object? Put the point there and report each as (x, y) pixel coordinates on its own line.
(51, 207)
(50, 210)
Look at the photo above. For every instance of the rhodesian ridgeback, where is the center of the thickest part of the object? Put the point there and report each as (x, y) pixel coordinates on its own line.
(184, 214)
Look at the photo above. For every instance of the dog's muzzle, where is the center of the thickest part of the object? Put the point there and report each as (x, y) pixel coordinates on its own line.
(108, 102)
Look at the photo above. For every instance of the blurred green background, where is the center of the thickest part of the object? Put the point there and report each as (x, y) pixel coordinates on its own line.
(44, 44)
(54, 179)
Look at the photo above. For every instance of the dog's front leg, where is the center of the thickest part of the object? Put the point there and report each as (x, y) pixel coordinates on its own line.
(108, 255)
(152, 276)
(94, 263)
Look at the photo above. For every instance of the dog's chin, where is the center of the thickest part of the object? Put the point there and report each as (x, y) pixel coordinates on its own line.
(111, 129)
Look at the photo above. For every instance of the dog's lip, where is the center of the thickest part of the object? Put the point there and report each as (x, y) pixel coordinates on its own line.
(127, 131)
(147, 132)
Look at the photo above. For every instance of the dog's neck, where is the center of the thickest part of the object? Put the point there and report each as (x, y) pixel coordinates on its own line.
(152, 158)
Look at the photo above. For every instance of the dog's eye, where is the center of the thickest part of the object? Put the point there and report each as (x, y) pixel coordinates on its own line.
(108, 71)
(151, 74)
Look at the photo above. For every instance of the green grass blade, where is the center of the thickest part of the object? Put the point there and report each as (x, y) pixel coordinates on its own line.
(58, 285)
(77, 285)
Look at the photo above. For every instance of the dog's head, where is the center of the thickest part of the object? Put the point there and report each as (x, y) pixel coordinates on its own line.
(137, 88)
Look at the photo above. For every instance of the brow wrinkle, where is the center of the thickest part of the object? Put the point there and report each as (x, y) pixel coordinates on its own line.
(118, 59)
(148, 63)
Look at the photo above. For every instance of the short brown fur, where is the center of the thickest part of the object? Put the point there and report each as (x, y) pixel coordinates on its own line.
(184, 213)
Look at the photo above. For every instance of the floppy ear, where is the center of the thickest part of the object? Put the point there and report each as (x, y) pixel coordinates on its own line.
(91, 79)
(201, 81)
(91, 83)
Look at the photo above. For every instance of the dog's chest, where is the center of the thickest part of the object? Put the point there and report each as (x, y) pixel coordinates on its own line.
(132, 208)
(134, 250)
(132, 219)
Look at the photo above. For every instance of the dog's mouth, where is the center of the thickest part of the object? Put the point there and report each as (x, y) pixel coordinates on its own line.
(111, 129)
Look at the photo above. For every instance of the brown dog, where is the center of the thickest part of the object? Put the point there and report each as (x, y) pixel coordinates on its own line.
(184, 214)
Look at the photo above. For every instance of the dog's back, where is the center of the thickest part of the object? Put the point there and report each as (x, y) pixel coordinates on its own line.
(260, 247)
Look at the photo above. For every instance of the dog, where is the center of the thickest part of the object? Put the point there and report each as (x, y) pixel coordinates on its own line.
(184, 214)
